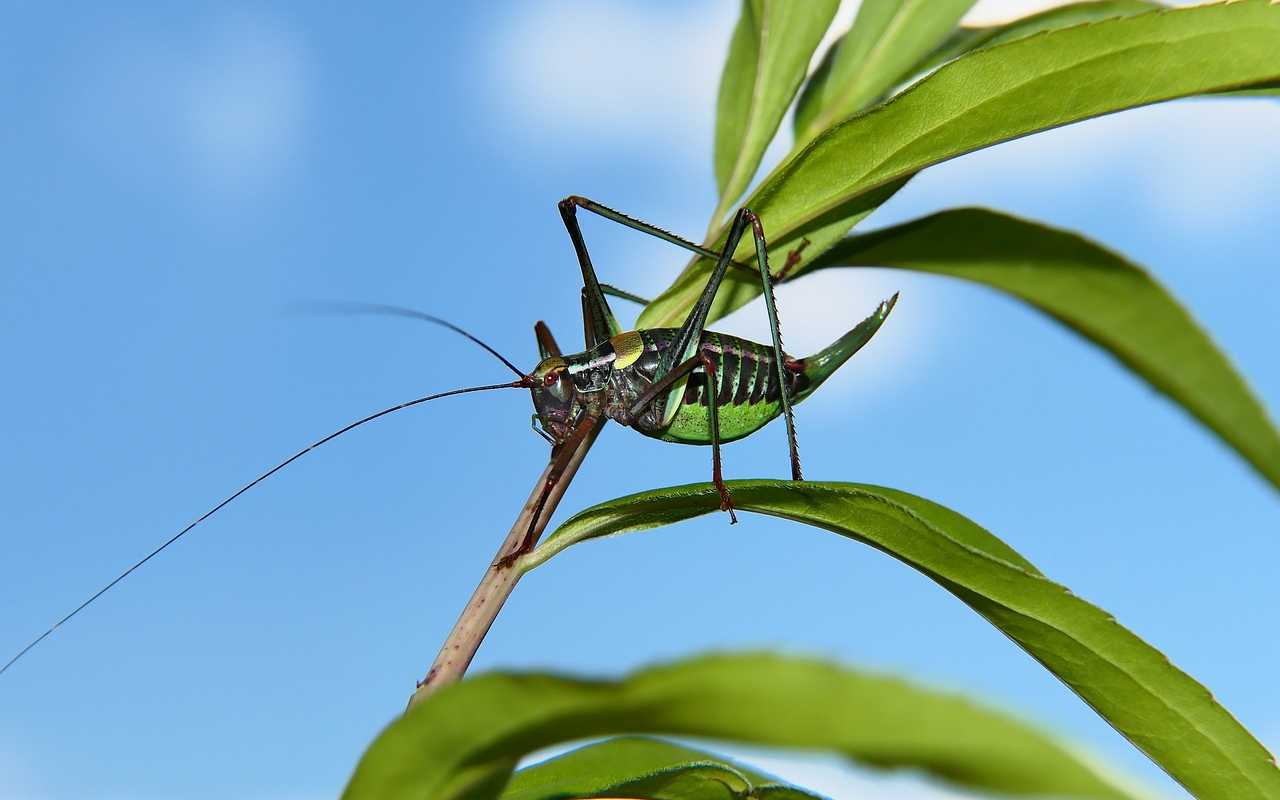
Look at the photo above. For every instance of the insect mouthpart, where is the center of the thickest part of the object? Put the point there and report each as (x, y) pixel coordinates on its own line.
(554, 396)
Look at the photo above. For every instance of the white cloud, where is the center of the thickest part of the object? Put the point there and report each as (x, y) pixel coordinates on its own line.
(243, 102)
(226, 112)
(1201, 164)
(594, 74)
(18, 781)
(814, 311)
(994, 12)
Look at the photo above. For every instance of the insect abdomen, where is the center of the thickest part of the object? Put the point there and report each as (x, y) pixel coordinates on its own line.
(747, 389)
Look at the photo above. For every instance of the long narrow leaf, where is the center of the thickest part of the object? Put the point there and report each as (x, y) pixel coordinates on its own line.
(986, 97)
(465, 740)
(887, 37)
(768, 56)
(633, 766)
(965, 39)
(1159, 708)
(1091, 290)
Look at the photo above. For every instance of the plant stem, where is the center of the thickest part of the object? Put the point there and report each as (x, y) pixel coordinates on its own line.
(498, 582)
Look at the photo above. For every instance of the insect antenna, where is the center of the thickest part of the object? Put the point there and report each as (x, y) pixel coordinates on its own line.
(524, 382)
(388, 310)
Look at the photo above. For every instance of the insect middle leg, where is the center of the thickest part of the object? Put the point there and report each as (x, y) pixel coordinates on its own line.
(660, 388)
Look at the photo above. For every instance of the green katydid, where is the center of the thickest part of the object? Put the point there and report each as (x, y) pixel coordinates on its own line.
(686, 385)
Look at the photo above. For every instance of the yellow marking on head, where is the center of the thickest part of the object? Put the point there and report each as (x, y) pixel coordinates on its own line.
(550, 364)
(627, 348)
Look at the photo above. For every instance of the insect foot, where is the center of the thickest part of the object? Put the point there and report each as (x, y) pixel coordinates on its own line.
(793, 261)
(510, 558)
(726, 503)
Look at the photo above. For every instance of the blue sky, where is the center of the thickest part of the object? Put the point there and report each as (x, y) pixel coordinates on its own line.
(177, 178)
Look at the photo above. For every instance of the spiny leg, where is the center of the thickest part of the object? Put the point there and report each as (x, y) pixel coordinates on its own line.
(660, 387)
(597, 318)
(762, 259)
(646, 228)
(689, 338)
(613, 291)
(713, 424)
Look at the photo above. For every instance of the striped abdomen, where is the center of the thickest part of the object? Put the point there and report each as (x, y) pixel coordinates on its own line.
(747, 388)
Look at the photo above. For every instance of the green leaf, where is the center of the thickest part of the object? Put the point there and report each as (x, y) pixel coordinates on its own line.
(464, 740)
(986, 97)
(1156, 706)
(649, 768)
(1091, 290)
(965, 39)
(887, 37)
(768, 56)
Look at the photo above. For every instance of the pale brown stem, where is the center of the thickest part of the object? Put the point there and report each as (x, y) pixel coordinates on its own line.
(499, 580)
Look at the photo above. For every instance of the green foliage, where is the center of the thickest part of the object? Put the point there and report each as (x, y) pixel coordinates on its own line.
(887, 37)
(768, 56)
(857, 144)
(987, 97)
(1162, 710)
(634, 766)
(965, 39)
(465, 740)
(1091, 290)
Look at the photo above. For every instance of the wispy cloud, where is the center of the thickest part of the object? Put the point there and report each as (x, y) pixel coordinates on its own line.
(607, 74)
(243, 102)
(816, 310)
(604, 74)
(994, 12)
(226, 112)
(1201, 164)
(18, 780)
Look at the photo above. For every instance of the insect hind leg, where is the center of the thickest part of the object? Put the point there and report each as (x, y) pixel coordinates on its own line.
(775, 329)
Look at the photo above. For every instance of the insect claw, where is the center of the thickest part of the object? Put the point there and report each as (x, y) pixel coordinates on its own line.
(509, 559)
(726, 502)
(793, 260)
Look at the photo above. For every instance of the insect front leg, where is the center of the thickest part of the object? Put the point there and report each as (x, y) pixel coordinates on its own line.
(661, 387)
(597, 319)
(561, 455)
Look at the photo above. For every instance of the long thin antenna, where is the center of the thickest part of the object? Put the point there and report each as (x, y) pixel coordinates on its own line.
(513, 385)
(343, 307)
